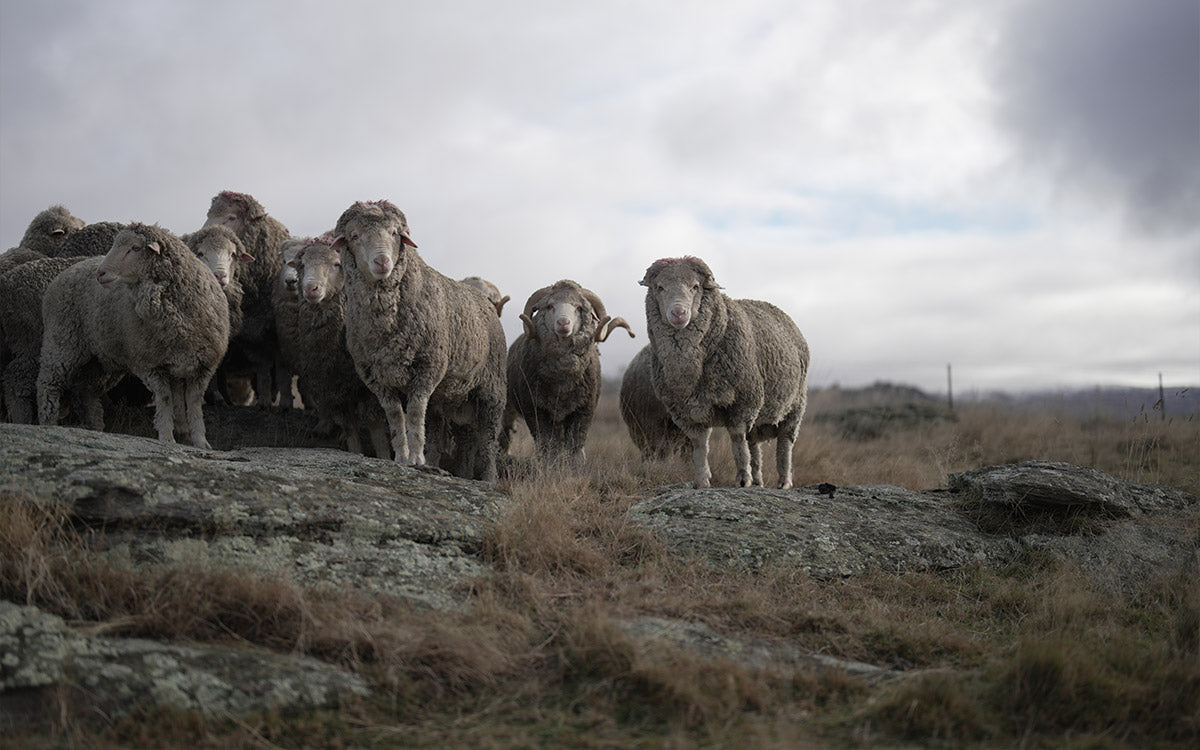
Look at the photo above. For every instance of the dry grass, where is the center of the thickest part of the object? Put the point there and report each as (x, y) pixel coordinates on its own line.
(1034, 655)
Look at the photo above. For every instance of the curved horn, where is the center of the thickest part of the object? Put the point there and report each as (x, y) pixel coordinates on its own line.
(527, 315)
(607, 325)
(500, 305)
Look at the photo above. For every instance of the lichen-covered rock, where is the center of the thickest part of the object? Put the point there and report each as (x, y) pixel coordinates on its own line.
(1048, 485)
(824, 531)
(42, 659)
(317, 516)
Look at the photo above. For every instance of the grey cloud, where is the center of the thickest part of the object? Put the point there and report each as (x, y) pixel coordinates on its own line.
(1106, 93)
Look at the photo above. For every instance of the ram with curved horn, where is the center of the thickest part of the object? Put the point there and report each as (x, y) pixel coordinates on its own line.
(554, 369)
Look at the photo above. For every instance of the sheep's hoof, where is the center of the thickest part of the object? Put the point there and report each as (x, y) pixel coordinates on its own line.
(744, 480)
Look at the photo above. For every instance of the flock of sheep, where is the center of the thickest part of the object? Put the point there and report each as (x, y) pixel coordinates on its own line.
(377, 341)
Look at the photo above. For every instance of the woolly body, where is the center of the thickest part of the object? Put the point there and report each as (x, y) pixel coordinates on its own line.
(422, 342)
(649, 423)
(720, 362)
(49, 229)
(157, 313)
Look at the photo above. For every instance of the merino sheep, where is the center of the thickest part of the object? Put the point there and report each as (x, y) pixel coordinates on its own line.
(325, 363)
(261, 236)
(15, 256)
(419, 336)
(490, 290)
(648, 421)
(48, 230)
(156, 312)
(285, 305)
(92, 240)
(221, 251)
(738, 364)
(554, 368)
(21, 291)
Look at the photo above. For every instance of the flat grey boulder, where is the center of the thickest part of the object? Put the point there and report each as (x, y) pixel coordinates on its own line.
(315, 516)
(41, 657)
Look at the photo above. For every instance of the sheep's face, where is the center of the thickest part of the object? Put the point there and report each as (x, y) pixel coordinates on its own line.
(126, 261)
(288, 274)
(221, 254)
(677, 290)
(562, 315)
(321, 273)
(378, 243)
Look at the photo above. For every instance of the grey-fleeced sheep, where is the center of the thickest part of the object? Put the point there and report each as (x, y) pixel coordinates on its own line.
(48, 230)
(261, 236)
(419, 336)
(21, 292)
(325, 364)
(15, 256)
(285, 304)
(490, 290)
(721, 362)
(221, 251)
(149, 307)
(554, 368)
(92, 240)
(650, 425)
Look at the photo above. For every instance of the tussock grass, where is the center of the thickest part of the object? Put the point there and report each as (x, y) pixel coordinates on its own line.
(1033, 655)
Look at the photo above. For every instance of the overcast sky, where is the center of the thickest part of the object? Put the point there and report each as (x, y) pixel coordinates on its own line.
(1011, 187)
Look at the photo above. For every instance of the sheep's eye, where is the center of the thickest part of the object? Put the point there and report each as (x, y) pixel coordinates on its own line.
(695, 286)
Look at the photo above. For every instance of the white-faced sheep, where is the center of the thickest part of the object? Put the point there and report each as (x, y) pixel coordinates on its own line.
(554, 368)
(261, 235)
(48, 229)
(490, 290)
(149, 307)
(649, 423)
(720, 362)
(21, 291)
(325, 364)
(422, 342)
(221, 251)
(285, 304)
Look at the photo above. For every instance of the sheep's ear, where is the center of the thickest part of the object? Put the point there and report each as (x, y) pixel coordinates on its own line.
(500, 305)
(711, 283)
(154, 247)
(406, 240)
(644, 282)
(246, 258)
(338, 242)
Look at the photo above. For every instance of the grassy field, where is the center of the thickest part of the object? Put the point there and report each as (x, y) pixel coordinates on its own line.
(1035, 655)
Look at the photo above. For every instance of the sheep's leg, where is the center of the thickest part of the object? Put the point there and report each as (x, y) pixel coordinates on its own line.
(784, 446)
(741, 457)
(20, 390)
(699, 437)
(164, 413)
(377, 426)
(58, 369)
(193, 395)
(415, 419)
(179, 410)
(756, 463)
(394, 409)
(264, 391)
(485, 443)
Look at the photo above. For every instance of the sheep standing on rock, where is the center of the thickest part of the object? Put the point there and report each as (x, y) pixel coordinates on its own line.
(325, 364)
(148, 307)
(720, 362)
(48, 229)
(21, 292)
(255, 345)
(418, 336)
(221, 251)
(648, 421)
(285, 306)
(490, 290)
(554, 368)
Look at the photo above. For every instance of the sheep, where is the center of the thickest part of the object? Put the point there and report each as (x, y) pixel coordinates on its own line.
(554, 368)
(490, 290)
(649, 424)
(285, 303)
(325, 364)
(15, 256)
(221, 251)
(157, 312)
(49, 228)
(261, 235)
(21, 291)
(739, 364)
(92, 240)
(419, 336)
